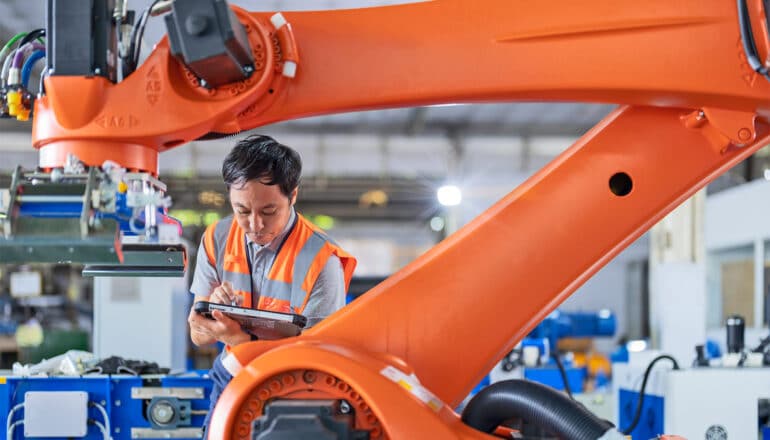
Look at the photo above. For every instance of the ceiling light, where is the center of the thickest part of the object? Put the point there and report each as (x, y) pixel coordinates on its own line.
(437, 223)
(374, 197)
(449, 195)
(211, 198)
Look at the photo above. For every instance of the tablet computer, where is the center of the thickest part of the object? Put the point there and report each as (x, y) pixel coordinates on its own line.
(261, 323)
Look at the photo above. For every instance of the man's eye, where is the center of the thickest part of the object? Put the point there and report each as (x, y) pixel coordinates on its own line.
(268, 212)
(242, 213)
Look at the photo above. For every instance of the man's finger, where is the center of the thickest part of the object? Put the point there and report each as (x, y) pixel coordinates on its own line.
(232, 297)
(220, 296)
(227, 287)
(219, 316)
(227, 294)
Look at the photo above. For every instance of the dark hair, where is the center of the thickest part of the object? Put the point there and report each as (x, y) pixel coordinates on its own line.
(262, 157)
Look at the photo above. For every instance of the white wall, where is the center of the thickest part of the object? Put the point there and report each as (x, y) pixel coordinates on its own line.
(738, 216)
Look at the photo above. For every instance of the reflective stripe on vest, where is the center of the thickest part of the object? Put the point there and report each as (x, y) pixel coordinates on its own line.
(295, 268)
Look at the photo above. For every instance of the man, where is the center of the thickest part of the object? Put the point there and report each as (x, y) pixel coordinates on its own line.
(265, 256)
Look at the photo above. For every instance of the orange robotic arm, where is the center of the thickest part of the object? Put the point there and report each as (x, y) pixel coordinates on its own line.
(408, 351)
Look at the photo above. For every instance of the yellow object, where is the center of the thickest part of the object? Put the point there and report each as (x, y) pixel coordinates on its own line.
(22, 114)
(122, 187)
(13, 97)
(324, 222)
(29, 334)
(598, 362)
(15, 106)
(579, 360)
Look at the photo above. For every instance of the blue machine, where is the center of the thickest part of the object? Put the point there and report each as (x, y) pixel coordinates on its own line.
(559, 325)
(111, 219)
(651, 419)
(128, 406)
(550, 375)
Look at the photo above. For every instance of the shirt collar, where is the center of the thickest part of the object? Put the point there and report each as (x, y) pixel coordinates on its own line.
(276, 242)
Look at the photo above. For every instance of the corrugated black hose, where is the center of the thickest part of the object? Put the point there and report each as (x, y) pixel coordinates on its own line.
(538, 404)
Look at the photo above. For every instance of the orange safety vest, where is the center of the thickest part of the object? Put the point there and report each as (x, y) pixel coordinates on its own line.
(294, 271)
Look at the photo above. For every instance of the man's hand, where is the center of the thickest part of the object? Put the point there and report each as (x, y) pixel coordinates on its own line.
(207, 331)
(224, 294)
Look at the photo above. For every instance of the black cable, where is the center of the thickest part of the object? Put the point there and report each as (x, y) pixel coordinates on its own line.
(37, 33)
(747, 38)
(557, 359)
(762, 345)
(137, 33)
(640, 402)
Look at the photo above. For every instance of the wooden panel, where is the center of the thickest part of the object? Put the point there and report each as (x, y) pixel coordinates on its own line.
(738, 290)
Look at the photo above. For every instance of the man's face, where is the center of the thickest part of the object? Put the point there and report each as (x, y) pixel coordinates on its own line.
(261, 210)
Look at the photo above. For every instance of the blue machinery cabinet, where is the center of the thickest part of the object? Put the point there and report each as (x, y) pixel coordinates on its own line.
(177, 405)
(550, 375)
(651, 418)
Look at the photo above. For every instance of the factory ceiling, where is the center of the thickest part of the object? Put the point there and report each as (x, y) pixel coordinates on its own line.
(515, 120)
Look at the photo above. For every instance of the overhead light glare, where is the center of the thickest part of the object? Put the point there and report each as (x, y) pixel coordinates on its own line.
(449, 195)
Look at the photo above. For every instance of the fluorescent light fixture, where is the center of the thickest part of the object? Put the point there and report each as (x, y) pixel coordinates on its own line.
(449, 195)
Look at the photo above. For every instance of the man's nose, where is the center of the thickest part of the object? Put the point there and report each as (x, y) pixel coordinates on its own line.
(255, 223)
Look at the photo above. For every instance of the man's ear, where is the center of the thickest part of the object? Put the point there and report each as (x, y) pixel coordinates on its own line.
(293, 196)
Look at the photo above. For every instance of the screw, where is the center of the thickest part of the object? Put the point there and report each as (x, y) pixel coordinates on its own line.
(203, 83)
(344, 407)
(744, 134)
(97, 71)
(117, 403)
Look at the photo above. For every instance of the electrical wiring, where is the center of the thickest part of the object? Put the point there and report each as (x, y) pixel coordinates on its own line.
(7, 48)
(26, 70)
(35, 34)
(13, 427)
(6, 69)
(105, 434)
(136, 40)
(747, 40)
(102, 410)
(640, 402)
(8, 425)
(20, 54)
(563, 373)
(9, 61)
(41, 86)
